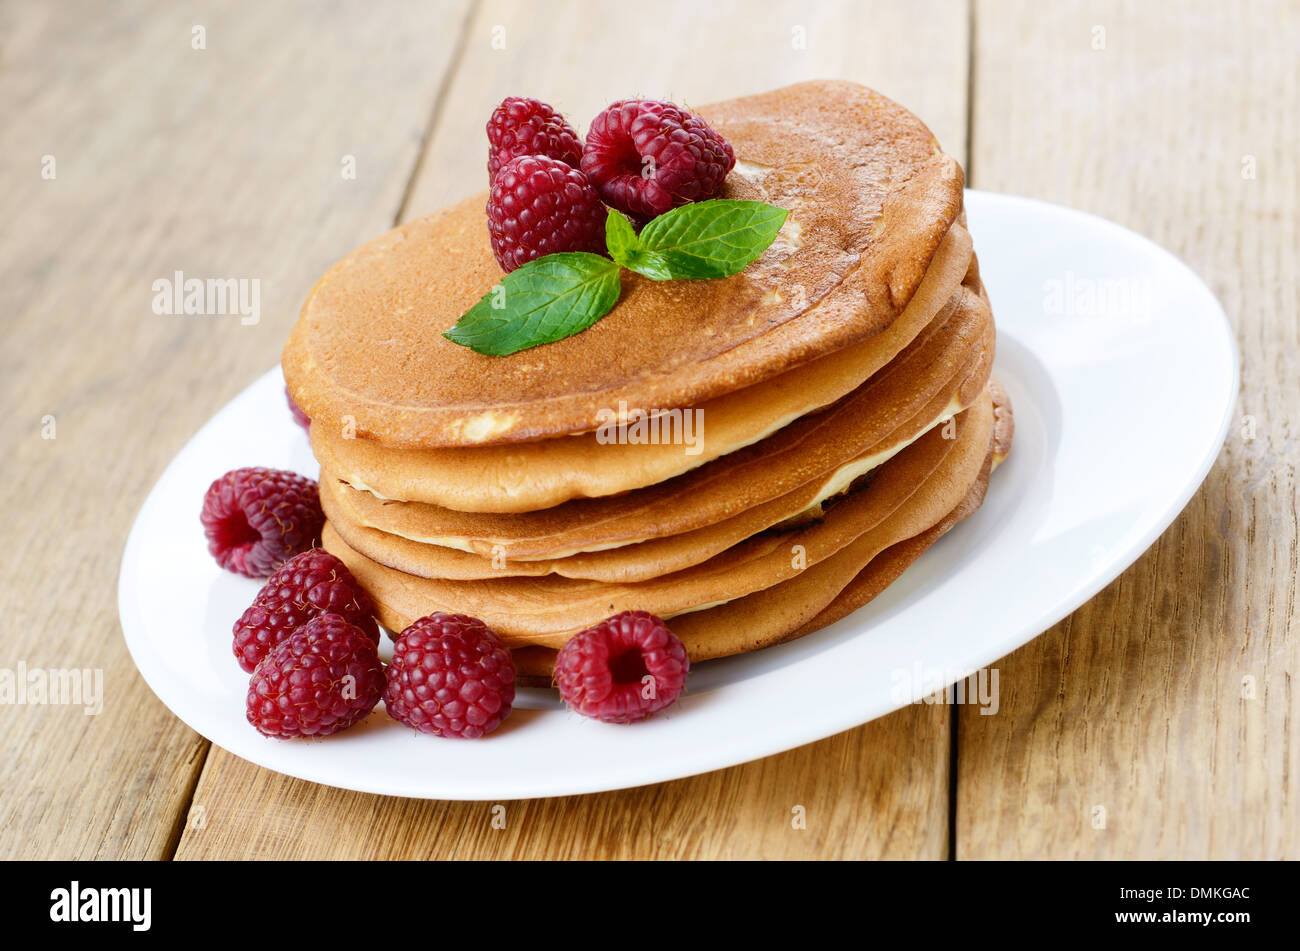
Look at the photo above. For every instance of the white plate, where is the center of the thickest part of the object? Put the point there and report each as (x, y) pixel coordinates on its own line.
(1122, 400)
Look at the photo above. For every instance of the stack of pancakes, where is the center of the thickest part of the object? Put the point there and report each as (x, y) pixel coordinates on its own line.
(749, 458)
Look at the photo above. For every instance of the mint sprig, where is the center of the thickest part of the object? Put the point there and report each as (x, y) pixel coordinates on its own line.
(559, 295)
(706, 239)
(545, 300)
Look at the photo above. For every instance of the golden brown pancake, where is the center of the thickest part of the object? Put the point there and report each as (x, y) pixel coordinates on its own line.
(916, 385)
(870, 195)
(718, 496)
(921, 484)
(624, 563)
(795, 608)
(886, 568)
(730, 488)
(849, 418)
(393, 533)
(536, 475)
(1004, 421)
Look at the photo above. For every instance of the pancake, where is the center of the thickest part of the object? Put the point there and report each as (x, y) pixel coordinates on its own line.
(1004, 421)
(807, 453)
(799, 607)
(624, 563)
(917, 386)
(906, 496)
(885, 569)
(871, 197)
(521, 478)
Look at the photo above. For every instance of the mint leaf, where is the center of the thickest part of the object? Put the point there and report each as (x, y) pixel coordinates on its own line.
(706, 239)
(545, 300)
(620, 239)
(559, 295)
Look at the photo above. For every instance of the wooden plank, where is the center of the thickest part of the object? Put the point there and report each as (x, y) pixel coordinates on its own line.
(580, 57)
(221, 161)
(878, 791)
(1135, 705)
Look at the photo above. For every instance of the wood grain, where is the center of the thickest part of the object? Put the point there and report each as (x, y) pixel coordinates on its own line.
(878, 791)
(223, 161)
(226, 161)
(578, 57)
(1135, 704)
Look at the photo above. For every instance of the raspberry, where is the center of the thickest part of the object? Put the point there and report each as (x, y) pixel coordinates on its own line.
(304, 587)
(647, 157)
(539, 206)
(256, 519)
(528, 127)
(299, 417)
(321, 680)
(450, 676)
(602, 672)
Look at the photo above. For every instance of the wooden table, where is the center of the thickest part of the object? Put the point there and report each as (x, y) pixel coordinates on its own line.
(216, 141)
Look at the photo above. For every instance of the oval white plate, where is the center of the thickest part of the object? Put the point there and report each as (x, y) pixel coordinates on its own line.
(1123, 373)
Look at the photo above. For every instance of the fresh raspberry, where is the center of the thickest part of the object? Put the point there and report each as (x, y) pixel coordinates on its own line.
(450, 676)
(256, 519)
(647, 157)
(602, 672)
(321, 680)
(304, 587)
(299, 417)
(538, 206)
(529, 127)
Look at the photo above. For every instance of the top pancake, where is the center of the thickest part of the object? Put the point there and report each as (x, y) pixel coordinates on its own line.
(525, 477)
(870, 198)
